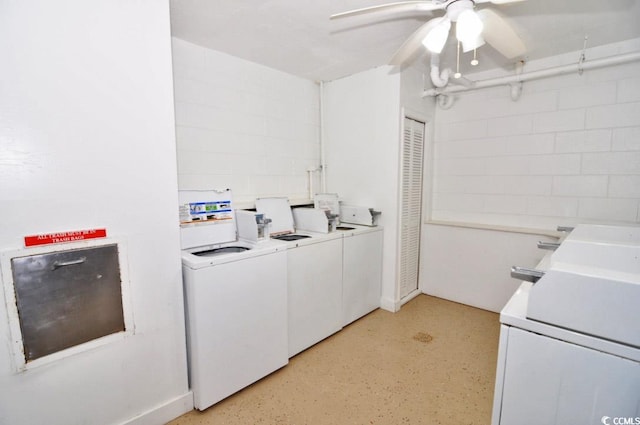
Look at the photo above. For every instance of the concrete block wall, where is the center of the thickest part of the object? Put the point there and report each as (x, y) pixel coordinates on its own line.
(362, 154)
(568, 151)
(243, 126)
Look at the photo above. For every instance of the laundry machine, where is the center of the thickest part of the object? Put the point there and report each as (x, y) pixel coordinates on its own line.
(569, 348)
(362, 270)
(362, 250)
(314, 275)
(235, 299)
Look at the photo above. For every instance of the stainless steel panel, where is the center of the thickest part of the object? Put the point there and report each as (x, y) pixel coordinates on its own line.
(67, 298)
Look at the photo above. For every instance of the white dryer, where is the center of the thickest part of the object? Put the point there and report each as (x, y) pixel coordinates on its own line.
(236, 300)
(570, 336)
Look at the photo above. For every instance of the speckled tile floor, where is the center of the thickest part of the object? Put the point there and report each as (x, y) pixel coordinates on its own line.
(431, 363)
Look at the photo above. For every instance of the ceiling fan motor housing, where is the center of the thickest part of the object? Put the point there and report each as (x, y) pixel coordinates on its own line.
(456, 7)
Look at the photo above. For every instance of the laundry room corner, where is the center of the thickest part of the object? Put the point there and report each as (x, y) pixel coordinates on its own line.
(363, 159)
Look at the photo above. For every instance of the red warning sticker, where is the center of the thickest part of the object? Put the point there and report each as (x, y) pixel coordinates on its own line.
(62, 237)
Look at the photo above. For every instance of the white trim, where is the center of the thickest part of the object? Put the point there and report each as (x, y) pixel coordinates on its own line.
(17, 348)
(411, 296)
(165, 412)
(390, 305)
(407, 114)
(414, 115)
(507, 229)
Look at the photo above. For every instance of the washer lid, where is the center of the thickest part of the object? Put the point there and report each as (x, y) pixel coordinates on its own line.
(214, 252)
(592, 288)
(327, 201)
(279, 211)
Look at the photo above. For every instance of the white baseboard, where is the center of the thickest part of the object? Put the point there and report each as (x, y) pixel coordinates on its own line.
(394, 305)
(410, 296)
(390, 305)
(165, 412)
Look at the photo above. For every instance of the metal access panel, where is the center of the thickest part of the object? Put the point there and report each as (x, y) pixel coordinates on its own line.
(67, 298)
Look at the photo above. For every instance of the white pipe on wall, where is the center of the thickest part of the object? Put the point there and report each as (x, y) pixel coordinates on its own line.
(438, 79)
(310, 177)
(323, 164)
(543, 73)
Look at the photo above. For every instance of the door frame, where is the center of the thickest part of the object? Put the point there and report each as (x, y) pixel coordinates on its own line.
(425, 195)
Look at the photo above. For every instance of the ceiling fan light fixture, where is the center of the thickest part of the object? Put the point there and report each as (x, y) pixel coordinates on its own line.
(437, 37)
(468, 27)
(469, 45)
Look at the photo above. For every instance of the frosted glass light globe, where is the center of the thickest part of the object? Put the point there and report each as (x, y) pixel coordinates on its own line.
(468, 26)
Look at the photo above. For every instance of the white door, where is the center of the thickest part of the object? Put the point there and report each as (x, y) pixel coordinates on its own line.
(410, 204)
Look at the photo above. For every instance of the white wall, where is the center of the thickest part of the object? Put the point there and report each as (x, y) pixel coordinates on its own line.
(413, 81)
(362, 130)
(472, 265)
(243, 126)
(362, 143)
(567, 152)
(87, 141)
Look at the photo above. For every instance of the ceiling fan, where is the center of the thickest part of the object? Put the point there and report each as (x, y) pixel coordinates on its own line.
(473, 28)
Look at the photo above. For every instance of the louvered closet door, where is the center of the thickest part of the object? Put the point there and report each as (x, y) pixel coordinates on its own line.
(411, 205)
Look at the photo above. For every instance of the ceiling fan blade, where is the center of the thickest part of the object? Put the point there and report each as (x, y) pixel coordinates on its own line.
(392, 8)
(414, 42)
(497, 1)
(505, 1)
(500, 35)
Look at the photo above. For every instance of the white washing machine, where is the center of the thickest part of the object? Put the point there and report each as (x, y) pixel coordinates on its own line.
(236, 300)
(362, 270)
(314, 277)
(362, 250)
(570, 338)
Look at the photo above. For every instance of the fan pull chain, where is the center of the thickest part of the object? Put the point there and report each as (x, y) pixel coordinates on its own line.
(458, 74)
(474, 62)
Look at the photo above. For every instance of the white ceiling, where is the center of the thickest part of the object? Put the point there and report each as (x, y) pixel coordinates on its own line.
(297, 37)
